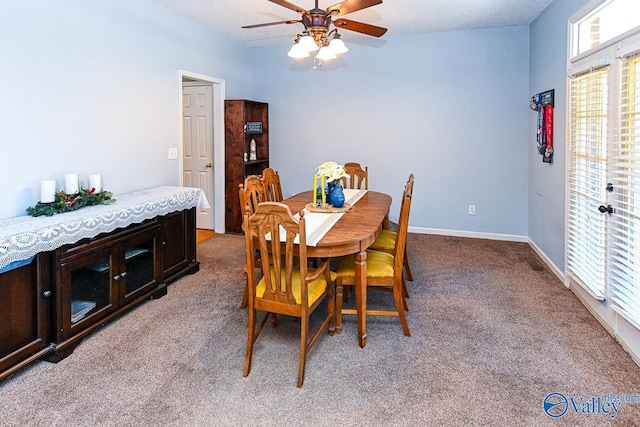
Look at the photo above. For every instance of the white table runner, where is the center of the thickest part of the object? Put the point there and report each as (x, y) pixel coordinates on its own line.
(319, 223)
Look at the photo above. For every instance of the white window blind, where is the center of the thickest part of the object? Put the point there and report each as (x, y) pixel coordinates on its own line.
(586, 226)
(625, 241)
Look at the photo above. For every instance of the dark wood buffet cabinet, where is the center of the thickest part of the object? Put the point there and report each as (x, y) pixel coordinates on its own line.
(49, 304)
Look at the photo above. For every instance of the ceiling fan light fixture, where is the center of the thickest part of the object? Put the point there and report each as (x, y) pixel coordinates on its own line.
(308, 43)
(326, 53)
(297, 51)
(337, 45)
(320, 25)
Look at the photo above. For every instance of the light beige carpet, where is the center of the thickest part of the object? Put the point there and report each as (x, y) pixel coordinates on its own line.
(491, 337)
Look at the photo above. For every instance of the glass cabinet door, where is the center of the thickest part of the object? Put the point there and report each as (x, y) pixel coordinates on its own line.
(89, 291)
(139, 269)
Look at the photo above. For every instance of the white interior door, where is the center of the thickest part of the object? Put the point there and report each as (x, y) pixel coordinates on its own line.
(197, 145)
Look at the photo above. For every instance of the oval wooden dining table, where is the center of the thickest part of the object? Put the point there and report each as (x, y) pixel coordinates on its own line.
(352, 234)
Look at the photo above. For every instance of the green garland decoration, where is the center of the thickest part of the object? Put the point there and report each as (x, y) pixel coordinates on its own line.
(67, 203)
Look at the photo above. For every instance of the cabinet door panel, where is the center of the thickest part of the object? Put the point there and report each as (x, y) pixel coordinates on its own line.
(87, 293)
(25, 313)
(178, 243)
(174, 238)
(139, 271)
(18, 303)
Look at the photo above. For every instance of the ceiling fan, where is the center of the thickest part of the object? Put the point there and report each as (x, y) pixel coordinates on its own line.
(317, 23)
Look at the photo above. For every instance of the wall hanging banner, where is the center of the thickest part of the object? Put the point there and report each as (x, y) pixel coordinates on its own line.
(543, 103)
(547, 157)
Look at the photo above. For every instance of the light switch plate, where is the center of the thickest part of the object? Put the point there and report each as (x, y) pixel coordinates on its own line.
(173, 153)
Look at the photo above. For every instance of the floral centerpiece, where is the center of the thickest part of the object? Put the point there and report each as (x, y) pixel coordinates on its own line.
(66, 203)
(333, 173)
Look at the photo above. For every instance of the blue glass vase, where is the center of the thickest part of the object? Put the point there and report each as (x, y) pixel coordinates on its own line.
(336, 196)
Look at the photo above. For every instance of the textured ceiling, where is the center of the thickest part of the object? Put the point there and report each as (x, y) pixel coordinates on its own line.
(399, 16)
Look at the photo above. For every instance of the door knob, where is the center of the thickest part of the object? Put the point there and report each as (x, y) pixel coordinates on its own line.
(46, 294)
(208, 165)
(607, 208)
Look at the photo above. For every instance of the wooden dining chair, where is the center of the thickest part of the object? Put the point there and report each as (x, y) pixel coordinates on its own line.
(251, 193)
(386, 242)
(285, 287)
(383, 270)
(356, 176)
(272, 186)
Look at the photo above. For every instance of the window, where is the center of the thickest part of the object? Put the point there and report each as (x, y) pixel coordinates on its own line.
(611, 19)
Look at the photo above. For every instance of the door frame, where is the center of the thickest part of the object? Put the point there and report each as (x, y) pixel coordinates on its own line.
(218, 86)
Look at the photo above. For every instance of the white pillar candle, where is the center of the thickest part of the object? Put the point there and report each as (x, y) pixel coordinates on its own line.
(95, 181)
(47, 191)
(71, 183)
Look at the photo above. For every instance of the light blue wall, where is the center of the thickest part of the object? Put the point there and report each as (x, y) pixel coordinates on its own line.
(548, 70)
(92, 87)
(452, 107)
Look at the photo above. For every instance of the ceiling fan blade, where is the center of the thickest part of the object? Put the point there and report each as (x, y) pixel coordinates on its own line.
(290, 6)
(349, 6)
(359, 27)
(290, 21)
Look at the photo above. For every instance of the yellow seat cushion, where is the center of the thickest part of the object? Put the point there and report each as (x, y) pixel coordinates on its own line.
(315, 289)
(379, 264)
(386, 241)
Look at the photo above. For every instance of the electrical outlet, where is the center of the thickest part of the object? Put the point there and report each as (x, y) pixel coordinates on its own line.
(173, 153)
(472, 209)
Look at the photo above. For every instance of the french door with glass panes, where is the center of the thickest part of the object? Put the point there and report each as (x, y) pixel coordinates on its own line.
(603, 179)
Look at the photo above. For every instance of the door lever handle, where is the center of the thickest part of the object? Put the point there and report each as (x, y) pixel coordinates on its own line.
(607, 208)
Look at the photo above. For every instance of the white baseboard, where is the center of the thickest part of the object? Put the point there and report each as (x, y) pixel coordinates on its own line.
(470, 234)
(493, 236)
(554, 268)
(626, 334)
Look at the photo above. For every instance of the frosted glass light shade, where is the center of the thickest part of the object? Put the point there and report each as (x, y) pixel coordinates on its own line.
(298, 51)
(326, 53)
(308, 43)
(338, 46)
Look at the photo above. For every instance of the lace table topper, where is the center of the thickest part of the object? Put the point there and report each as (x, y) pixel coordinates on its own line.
(25, 236)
